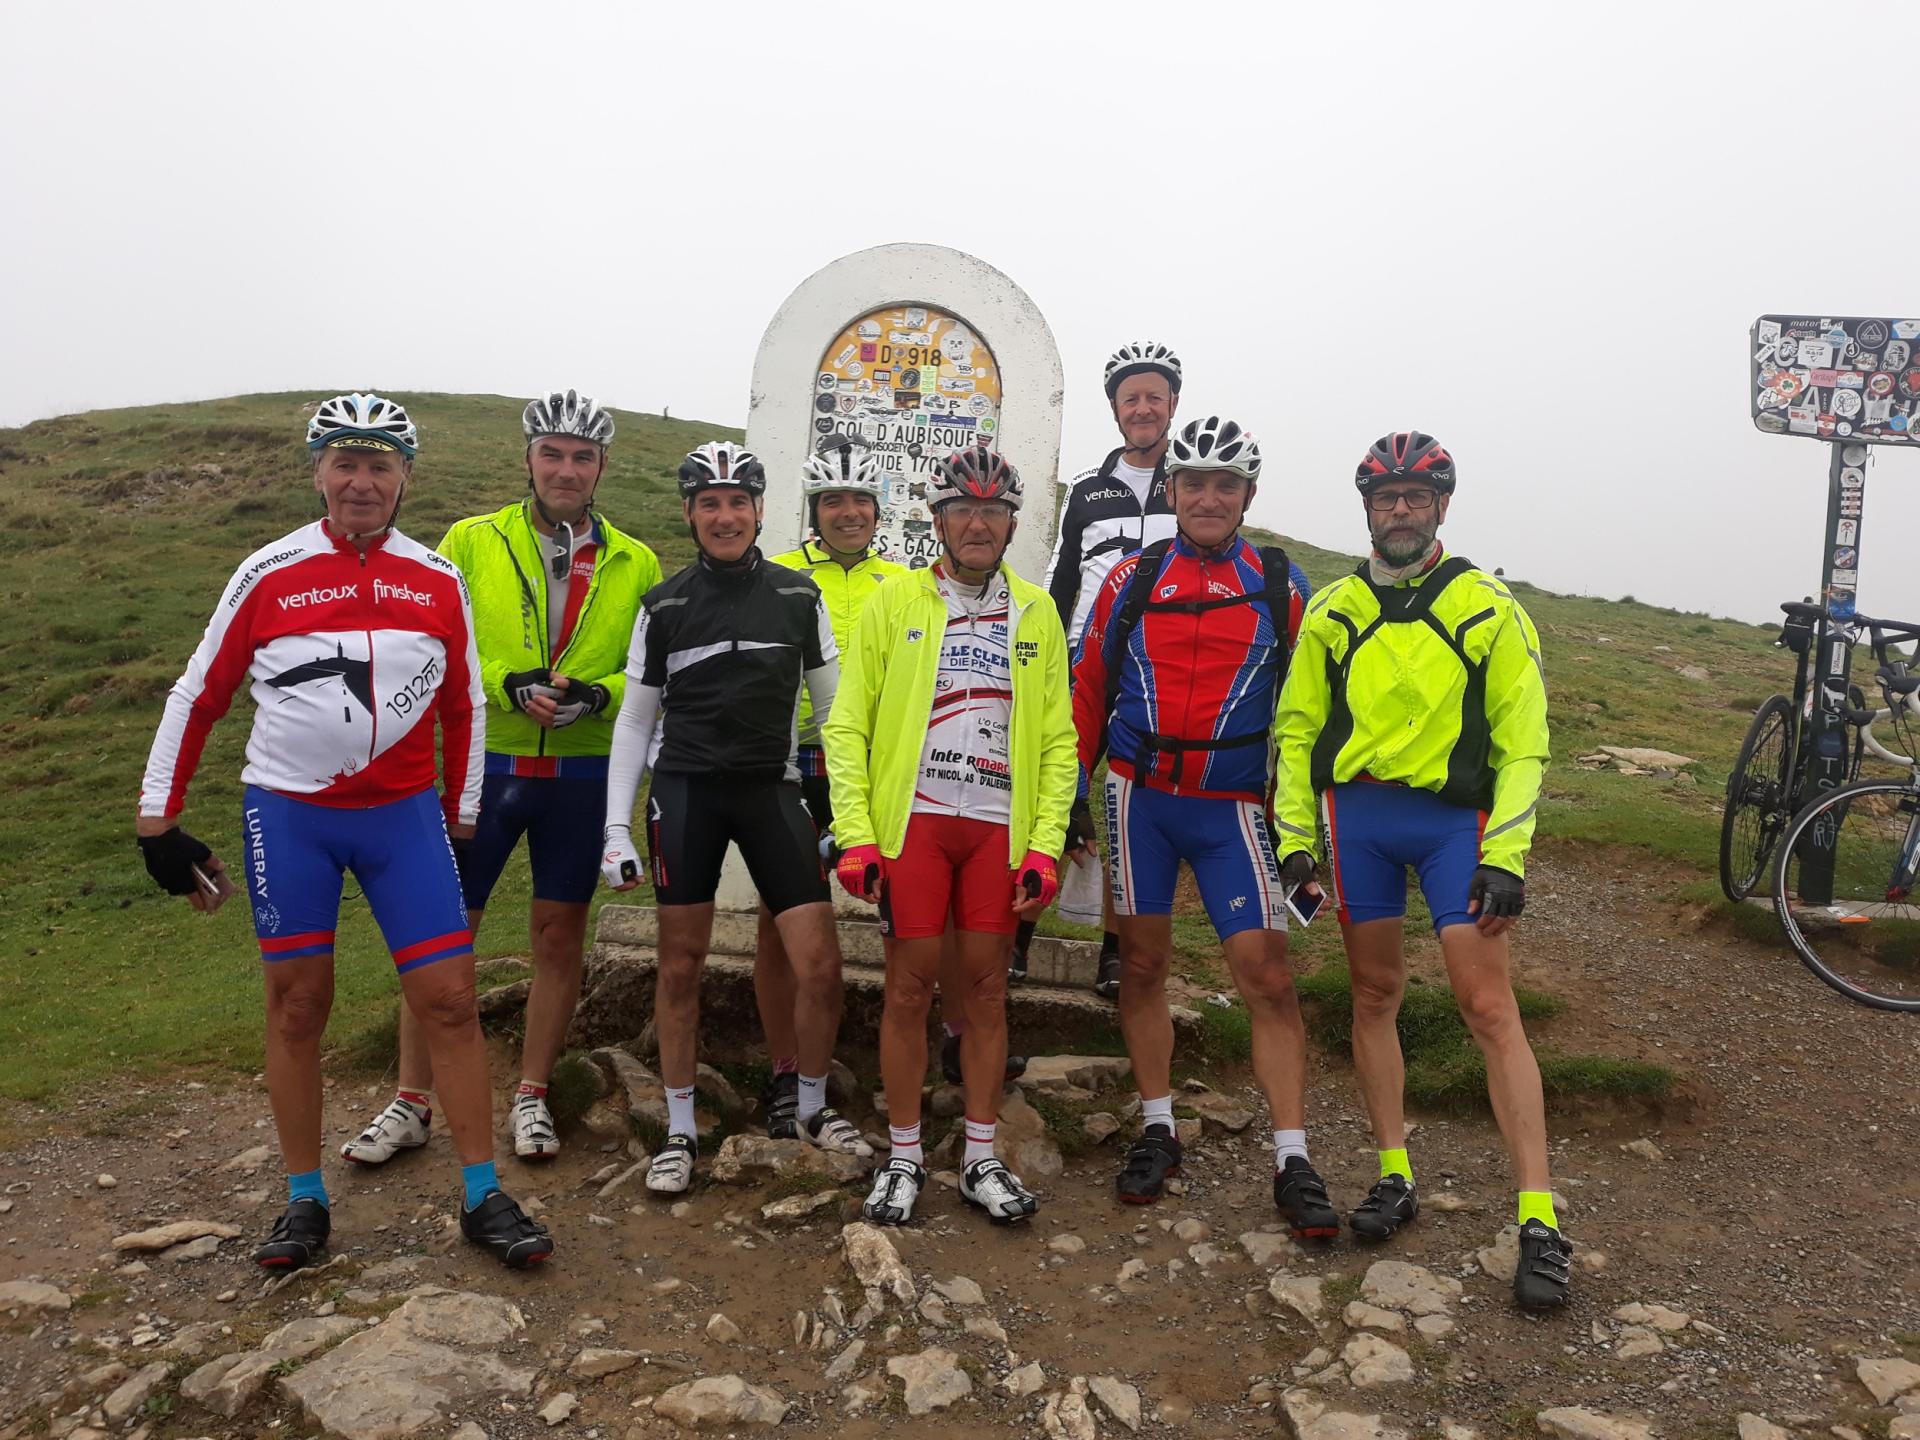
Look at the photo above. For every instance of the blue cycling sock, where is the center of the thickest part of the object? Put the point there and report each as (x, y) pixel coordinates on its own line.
(307, 1186)
(481, 1181)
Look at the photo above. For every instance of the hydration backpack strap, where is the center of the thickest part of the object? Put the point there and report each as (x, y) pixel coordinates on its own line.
(1126, 615)
(1400, 605)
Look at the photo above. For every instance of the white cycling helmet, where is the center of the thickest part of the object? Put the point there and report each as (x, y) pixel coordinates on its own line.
(976, 473)
(843, 467)
(1215, 444)
(1140, 355)
(567, 412)
(362, 422)
(721, 462)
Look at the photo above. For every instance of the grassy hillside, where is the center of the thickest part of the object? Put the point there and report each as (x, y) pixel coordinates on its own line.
(117, 529)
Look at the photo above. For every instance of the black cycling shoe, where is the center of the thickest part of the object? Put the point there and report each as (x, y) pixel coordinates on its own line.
(1389, 1205)
(1153, 1160)
(781, 1101)
(297, 1236)
(497, 1224)
(950, 1062)
(1540, 1280)
(1301, 1196)
(1106, 980)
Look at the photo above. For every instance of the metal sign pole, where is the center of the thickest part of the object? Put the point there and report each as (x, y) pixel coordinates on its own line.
(1839, 581)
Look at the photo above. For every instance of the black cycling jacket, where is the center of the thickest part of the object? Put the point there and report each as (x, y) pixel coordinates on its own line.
(729, 650)
(1101, 523)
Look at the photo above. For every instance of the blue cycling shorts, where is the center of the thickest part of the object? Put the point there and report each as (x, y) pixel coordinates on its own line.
(1374, 832)
(1225, 841)
(297, 854)
(560, 805)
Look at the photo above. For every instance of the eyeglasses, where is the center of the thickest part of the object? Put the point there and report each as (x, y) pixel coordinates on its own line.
(1415, 500)
(965, 511)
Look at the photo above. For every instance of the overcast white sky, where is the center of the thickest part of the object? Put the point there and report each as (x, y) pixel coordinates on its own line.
(1539, 231)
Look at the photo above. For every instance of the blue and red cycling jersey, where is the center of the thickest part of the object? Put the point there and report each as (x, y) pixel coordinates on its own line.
(1210, 676)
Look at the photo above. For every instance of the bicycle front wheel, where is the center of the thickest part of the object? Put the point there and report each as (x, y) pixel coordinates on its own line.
(1861, 933)
(1756, 799)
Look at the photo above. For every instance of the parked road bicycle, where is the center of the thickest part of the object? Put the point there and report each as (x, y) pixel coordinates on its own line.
(1845, 865)
(1768, 781)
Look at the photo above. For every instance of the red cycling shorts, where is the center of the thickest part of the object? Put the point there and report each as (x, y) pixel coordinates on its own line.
(948, 866)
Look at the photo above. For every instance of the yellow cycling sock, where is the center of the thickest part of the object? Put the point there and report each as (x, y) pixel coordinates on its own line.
(1394, 1162)
(1538, 1205)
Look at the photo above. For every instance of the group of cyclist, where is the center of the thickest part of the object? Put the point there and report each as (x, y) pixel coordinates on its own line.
(932, 735)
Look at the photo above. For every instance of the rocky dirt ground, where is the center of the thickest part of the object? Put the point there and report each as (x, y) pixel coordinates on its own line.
(1744, 1250)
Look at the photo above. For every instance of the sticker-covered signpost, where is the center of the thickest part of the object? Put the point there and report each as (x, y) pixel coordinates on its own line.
(911, 352)
(1853, 382)
(914, 352)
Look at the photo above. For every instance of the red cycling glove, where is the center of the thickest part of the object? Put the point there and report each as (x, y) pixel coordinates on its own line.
(1039, 878)
(859, 870)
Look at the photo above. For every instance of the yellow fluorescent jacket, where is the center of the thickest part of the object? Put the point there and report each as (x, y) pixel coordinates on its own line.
(1454, 702)
(879, 722)
(844, 591)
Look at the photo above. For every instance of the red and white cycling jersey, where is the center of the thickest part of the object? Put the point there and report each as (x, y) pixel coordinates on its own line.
(348, 656)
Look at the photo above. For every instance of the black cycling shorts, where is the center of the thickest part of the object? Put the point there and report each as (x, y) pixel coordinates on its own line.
(692, 818)
(818, 800)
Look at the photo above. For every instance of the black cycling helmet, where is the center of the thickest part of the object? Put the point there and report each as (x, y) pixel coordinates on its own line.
(1406, 455)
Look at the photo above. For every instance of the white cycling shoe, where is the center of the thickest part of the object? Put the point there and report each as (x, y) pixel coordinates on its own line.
(670, 1171)
(896, 1186)
(828, 1129)
(396, 1128)
(988, 1185)
(534, 1137)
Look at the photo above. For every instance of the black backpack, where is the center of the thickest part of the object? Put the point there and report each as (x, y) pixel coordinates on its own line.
(1468, 776)
(1137, 599)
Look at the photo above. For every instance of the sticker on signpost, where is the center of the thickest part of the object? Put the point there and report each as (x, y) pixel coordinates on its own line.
(927, 385)
(1851, 377)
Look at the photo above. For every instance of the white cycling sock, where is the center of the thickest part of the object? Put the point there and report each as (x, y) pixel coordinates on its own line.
(680, 1119)
(1157, 1112)
(979, 1140)
(813, 1096)
(906, 1143)
(1288, 1142)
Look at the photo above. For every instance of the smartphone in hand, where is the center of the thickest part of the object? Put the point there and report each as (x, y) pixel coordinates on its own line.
(214, 887)
(1304, 902)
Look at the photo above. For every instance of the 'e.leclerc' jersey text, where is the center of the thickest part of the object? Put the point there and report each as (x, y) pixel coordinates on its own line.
(349, 659)
(965, 761)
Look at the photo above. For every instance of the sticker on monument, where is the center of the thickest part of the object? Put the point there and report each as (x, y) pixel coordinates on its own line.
(905, 359)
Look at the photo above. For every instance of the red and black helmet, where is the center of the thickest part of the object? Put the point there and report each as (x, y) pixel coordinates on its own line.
(976, 473)
(1406, 455)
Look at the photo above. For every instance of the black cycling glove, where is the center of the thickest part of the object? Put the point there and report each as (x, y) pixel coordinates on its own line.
(171, 856)
(1501, 893)
(522, 685)
(581, 699)
(1296, 869)
(1080, 827)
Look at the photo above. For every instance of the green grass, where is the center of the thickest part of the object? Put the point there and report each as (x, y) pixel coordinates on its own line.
(796, 1182)
(1444, 1066)
(1062, 1117)
(117, 532)
(573, 1088)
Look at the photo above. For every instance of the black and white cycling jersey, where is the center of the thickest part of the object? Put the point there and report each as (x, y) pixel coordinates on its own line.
(719, 658)
(1101, 523)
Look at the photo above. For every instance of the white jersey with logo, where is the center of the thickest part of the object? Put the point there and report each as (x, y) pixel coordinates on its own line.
(352, 661)
(965, 767)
